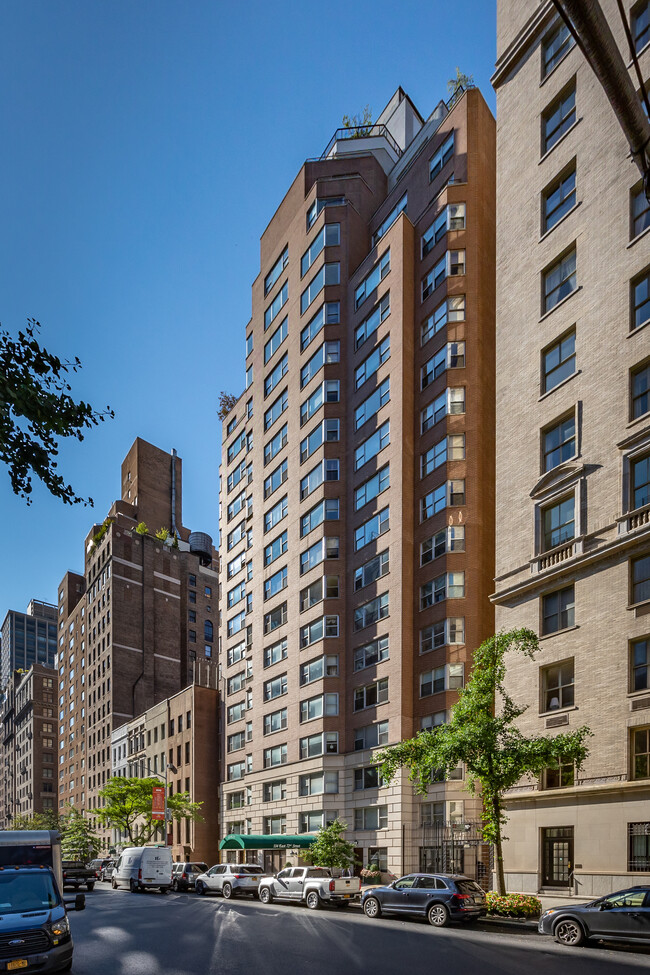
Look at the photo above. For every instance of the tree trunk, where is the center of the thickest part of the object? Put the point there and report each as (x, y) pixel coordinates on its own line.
(501, 878)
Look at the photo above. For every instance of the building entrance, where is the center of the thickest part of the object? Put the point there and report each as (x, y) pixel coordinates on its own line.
(557, 856)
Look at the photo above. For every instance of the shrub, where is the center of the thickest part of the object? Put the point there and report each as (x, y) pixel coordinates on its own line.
(141, 528)
(513, 905)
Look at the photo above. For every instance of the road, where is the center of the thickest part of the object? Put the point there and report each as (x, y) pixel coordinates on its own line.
(121, 933)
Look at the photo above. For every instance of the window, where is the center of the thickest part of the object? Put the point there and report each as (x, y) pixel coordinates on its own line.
(639, 848)
(318, 205)
(449, 632)
(275, 479)
(317, 707)
(452, 309)
(249, 376)
(274, 377)
(371, 817)
(275, 756)
(442, 157)
(326, 432)
(371, 612)
(370, 448)
(371, 488)
(559, 523)
(449, 448)
(641, 26)
(557, 686)
(322, 744)
(450, 265)
(235, 742)
(236, 623)
(324, 627)
(452, 401)
(372, 570)
(327, 470)
(370, 406)
(558, 198)
(276, 721)
(641, 753)
(326, 548)
(235, 476)
(388, 221)
(275, 687)
(558, 443)
(447, 678)
(318, 783)
(558, 610)
(370, 530)
(433, 502)
(236, 771)
(236, 505)
(325, 510)
(327, 353)
(274, 825)
(328, 274)
(275, 583)
(450, 356)
(236, 653)
(371, 695)
(371, 736)
(367, 778)
(451, 539)
(315, 592)
(236, 446)
(640, 299)
(370, 365)
(641, 482)
(554, 46)
(275, 306)
(369, 325)
(450, 585)
(371, 653)
(326, 666)
(276, 271)
(275, 653)
(328, 236)
(275, 549)
(371, 280)
(639, 211)
(452, 217)
(640, 579)
(432, 813)
(274, 412)
(327, 314)
(275, 791)
(561, 777)
(276, 617)
(327, 392)
(559, 361)
(558, 118)
(276, 514)
(559, 281)
(276, 340)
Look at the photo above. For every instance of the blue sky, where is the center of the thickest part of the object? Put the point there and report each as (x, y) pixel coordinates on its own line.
(146, 145)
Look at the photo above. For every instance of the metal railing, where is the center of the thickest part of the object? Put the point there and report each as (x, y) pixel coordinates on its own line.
(362, 132)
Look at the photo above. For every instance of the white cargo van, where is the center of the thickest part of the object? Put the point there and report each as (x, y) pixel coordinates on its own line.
(140, 867)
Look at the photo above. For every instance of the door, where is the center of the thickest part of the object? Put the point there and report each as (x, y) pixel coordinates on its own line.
(421, 893)
(296, 882)
(397, 898)
(557, 856)
(623, 915)
(214, 877)
(280, 886)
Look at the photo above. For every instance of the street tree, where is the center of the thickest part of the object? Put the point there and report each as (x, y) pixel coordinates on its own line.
(128, 808)
(78, 839)
(47, 820)
(482, 734)
(37, 411)
(330, 849)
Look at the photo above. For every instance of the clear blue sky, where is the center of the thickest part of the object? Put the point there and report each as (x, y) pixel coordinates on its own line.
(145, 146)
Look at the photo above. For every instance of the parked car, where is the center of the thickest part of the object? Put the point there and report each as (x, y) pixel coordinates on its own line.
(230, 879)
(143, 867)
(106, 872)
(439, 897)
(76, 874)
(622, 916)
(313, 886)
(99, 864)
(184, 874)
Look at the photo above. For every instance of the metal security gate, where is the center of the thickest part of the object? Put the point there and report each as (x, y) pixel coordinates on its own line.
(448, 848)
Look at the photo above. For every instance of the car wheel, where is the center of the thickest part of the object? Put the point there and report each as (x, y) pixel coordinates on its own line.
(313, 900)
(265, 895)
(90, 886)
(114, 883)
(226, 890)
(175, 886)
(438, 915)
(371, 907)
(569, 932)
(133, 887)
(163, 890)
(200, 887)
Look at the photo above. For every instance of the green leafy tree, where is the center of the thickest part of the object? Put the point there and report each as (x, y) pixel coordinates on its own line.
(128, 808)
(47, 820)
(483, 734)
(78, 839)
(459, 83)
(330, 849)
(226, 403)
(36, 411)
(361, 122)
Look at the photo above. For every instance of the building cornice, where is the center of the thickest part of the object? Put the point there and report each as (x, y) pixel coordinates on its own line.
(522, 41)
(620, 787)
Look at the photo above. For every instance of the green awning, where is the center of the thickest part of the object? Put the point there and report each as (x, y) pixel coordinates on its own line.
(245, 841)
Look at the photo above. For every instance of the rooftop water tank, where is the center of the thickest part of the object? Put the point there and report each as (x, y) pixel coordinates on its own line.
(201, 545)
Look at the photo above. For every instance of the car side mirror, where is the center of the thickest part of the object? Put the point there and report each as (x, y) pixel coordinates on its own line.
(78, 904)
(605, 906)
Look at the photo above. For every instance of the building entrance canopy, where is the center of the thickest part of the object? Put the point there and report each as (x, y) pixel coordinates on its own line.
(246, 841)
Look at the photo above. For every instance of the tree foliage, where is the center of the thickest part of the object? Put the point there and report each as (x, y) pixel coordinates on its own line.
(330, 849)
(128, 808)
(78, 839)
(482, 733)
(459, 83)
(226, 402)
(47, 820)
(362, 122)
(37, 411)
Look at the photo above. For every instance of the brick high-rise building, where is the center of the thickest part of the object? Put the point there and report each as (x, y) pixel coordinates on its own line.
(357, 482)
(133, 625)
(28, 638)
(573, 448)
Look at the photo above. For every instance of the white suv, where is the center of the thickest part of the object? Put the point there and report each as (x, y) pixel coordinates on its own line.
(230, 879)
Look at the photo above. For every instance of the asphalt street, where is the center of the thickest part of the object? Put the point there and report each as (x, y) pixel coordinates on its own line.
(121, 933)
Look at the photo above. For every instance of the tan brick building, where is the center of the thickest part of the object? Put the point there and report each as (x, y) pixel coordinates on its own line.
(356, 494)
(132, 627)
(573, 422)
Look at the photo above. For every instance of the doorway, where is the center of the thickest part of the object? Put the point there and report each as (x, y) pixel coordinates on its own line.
(557, 856)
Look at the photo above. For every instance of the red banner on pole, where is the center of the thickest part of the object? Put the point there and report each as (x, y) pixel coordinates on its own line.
(158, 802)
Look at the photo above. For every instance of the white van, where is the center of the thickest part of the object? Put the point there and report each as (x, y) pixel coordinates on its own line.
(140, 867)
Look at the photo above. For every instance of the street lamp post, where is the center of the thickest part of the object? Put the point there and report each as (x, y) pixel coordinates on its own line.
(168, 765)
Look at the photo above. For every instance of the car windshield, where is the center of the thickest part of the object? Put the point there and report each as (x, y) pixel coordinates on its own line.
(249, 870)
(20, 892)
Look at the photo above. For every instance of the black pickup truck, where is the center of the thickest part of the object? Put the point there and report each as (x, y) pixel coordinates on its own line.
(76, 874)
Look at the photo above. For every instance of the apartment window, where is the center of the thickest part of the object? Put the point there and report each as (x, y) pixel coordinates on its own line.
(276, 617)
(371, 695)
(276, 721)
(370, 530)
(388, 221)
(558, 198)
(450, 265)
(558, 118)
(371, 817)
(450, 539)
(236, 653)
(327, 353)
(449, 677)
(367, 778)
(326, 548)
(639, 211)
(371, 406)
(639, 847)
(235, 771)
(276, 340)
(325, 510)
(275, 653)
(452, 401)
(275, 791)
(374, 486)
(236, 623)
(450, 356)
(369, 325)
(371, 653)
(371, 612)
(275, 583)
(452, 217)
(371, 281)
(236, 446)
(318, 205)
(275, 549)
(326, 432)
(641, 299)
(371, 736)
(554, 46)
(641, 753)
(433, 502)
(328, 236)
(370, 448)
(559, 523)
(235, 742)
(318, 783)
(639, 393)
(559, 281)
(274, 825)
(640, 482)
(322, 744)
(558, 686)
(276, 270)
(328, 274)
(559, 361)
(449, 632)
(452, 309)
(324, 705)
(641, 26)
(640, 579)
(274, 377)
(327, 392)
(311, 595)
(275, 756)
(275, 306)
(561, 777)
(275, 687)
(313, 670)
(639, 664)
(371, 364)
(559, 443)
(327, 470)
(372, 570)
(327, 314)
(324, 627)
(275, 479)
(450, 585)
(558, 610)
(442, 157)
(235, 476)
(276, 514)
(275, 411)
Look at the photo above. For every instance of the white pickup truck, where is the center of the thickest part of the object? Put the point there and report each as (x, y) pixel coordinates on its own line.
(313, 886)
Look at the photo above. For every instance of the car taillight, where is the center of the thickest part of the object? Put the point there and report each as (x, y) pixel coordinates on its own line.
(140, 874)
(332, 885)
(239, 876)
(183, 876)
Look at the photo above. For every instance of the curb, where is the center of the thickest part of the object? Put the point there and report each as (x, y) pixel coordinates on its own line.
(528, 926)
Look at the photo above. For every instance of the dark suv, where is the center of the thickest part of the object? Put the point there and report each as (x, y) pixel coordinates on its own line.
(439, 897)
(184, 875)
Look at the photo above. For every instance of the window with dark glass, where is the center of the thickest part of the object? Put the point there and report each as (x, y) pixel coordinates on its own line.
(554, 46)
(558, 686)
(558, 198)
(640, 300)
(640, 481)
(558, 118)
(559, 280)
(641, 579)
(641, 25)
(559, 523)
(558, 610)
(639, 211)
(639, 664)
(558, 443)
(558, 361)
(641, 753)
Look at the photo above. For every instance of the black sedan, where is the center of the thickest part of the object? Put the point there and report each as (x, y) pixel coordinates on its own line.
(623, 916)
(439, 897)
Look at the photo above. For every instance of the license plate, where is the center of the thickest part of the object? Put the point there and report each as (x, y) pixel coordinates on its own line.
(347, 896)
(254, 880)
(18, 963)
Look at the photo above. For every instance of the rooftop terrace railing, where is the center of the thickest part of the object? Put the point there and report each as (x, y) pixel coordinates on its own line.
(361, 132)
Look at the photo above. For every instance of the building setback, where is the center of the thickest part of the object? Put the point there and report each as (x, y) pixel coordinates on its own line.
(27, 638)
(573, 449)
(356, 491)
(132, 626)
